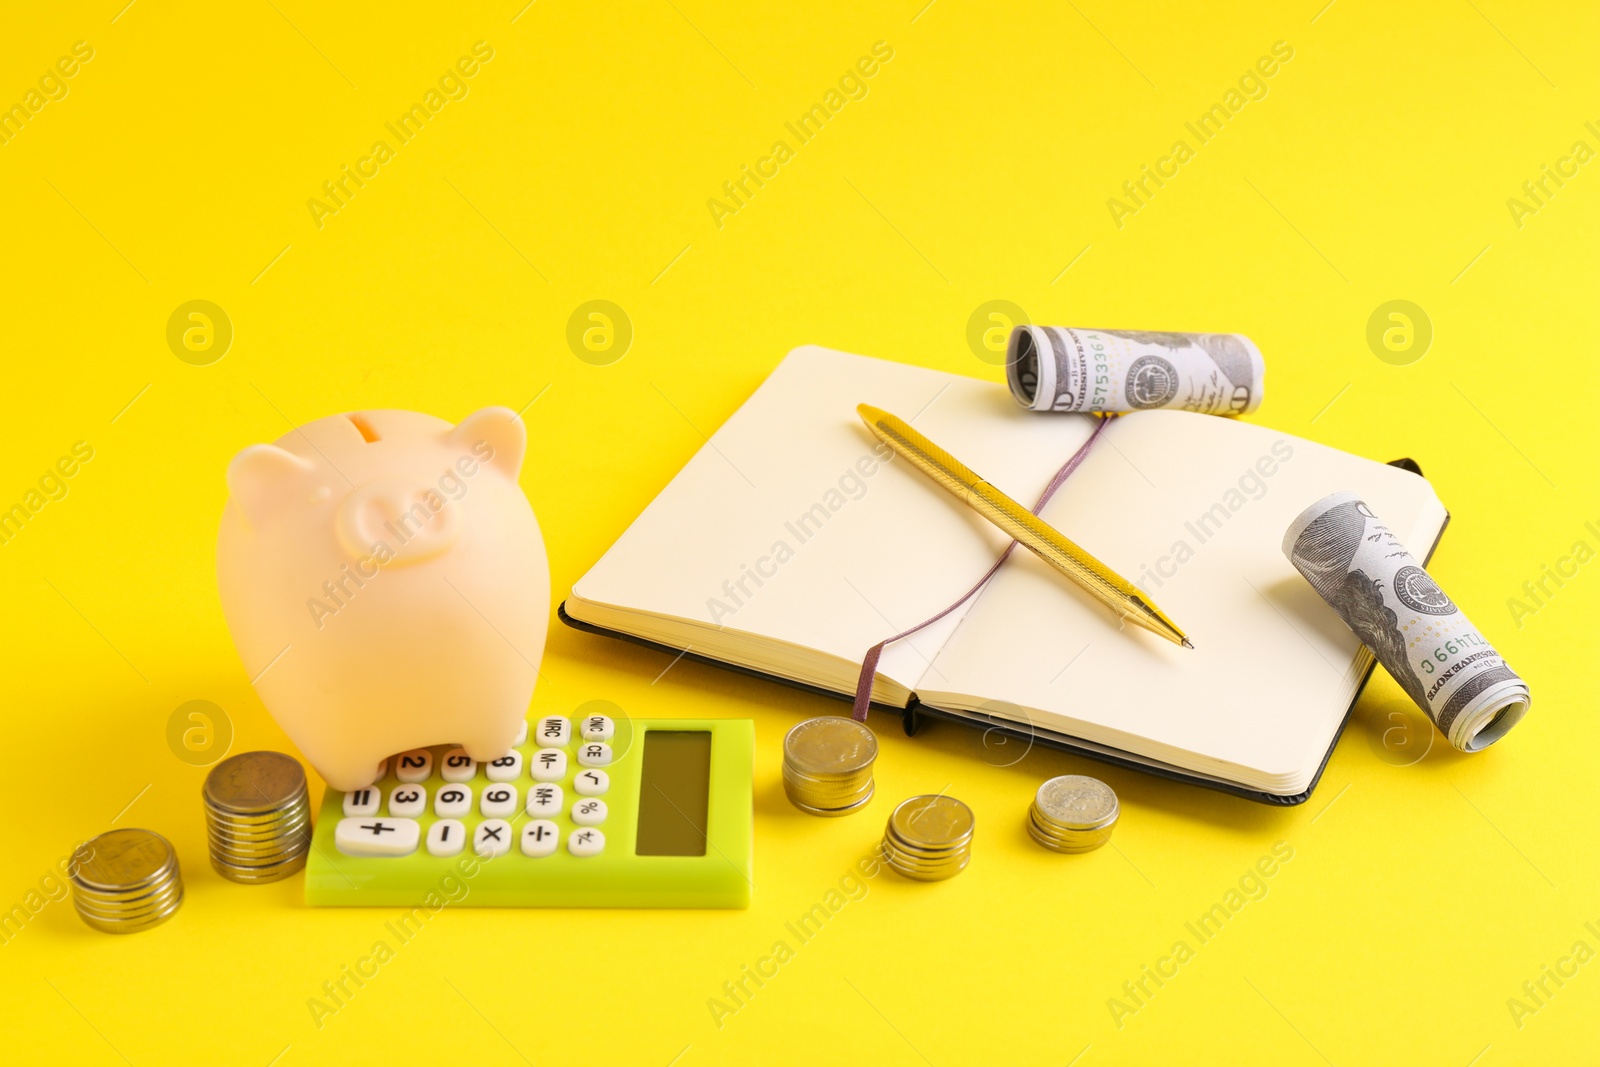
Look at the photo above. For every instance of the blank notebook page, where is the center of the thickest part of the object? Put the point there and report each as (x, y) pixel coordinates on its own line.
(883, 552)
(1183, 500)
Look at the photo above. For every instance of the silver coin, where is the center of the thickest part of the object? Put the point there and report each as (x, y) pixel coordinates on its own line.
(1076, 801)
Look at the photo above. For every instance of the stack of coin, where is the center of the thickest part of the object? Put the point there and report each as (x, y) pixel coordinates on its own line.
(1073, 813)
(827, 765)
(258, 817)
(125, 880)
(929, 838)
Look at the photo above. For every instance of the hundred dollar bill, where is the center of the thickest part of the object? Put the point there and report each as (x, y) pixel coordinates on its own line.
(1063, 368)
(1419, 635)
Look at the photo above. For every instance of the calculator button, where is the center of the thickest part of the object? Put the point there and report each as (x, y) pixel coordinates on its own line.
(507, 768)
(408, 801)
(591, 783)
(413, 766)
(452, 801)
(590, 812)
(362, 801)
(498, 801)
(586, 842)
(447, 837)
(594, 754)
(599, 728)
(549, 765)
(522, 735)
(540, 838)
(492, 838)
(382, 765)
(544, 800)
(457, 766)
(377, 837)
(553, 732)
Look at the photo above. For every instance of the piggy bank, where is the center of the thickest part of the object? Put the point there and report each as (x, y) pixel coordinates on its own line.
(386, 585)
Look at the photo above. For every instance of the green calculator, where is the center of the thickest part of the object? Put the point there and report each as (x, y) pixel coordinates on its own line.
(604, 812)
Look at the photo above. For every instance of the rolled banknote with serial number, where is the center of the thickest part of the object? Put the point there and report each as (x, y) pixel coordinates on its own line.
(1063, 368)
(1439, 658)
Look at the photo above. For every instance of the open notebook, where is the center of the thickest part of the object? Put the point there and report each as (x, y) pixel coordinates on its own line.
(789, 545)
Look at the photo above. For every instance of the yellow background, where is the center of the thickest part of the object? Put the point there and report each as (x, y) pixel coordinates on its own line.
(1419, 898)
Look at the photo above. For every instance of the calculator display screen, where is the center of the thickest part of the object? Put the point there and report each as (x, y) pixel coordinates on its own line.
(674, 793)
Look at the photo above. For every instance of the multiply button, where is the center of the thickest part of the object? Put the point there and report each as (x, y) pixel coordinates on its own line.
(492, 838)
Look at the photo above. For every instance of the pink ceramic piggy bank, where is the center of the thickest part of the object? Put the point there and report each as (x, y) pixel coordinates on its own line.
(386, 585)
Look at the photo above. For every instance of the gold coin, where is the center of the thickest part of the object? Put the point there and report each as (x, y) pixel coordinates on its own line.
(931, 822)
(830, 746)
(122, 859)
(254, 782)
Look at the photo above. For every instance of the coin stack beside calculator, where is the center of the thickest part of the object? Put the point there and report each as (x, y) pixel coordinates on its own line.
(125, 880)
(258, 817)
(1073, 813)
(827, 765)
(929, 838)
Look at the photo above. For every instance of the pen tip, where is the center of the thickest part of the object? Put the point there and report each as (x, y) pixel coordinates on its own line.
(1188, 644)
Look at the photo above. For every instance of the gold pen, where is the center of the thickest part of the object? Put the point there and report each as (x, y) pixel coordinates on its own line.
(1032, 532)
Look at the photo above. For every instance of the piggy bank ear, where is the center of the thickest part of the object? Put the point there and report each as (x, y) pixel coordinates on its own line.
(495, 437)
(265, 478)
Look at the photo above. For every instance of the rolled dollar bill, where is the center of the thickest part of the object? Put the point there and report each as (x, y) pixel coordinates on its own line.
(1361, 569)
(1063, 368)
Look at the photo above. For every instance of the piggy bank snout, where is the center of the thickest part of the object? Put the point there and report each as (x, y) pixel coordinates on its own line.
(401, 518)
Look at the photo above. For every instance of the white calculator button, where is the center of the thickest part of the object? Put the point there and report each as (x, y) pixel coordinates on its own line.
(594, 754)
(549, 765)
(363, 801)
(589, 812)
(457, 766)
(446, 837)
(452, 801)
(544, 800)
(413, 766)
(408, 801)
(591, 783)
(377, 837)
(540, 838)
(382, 765)
(499, 800)
(492, 838)
(522, 735)
(599, 728)
(507, 768)
(586, 842)
(554, 732)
